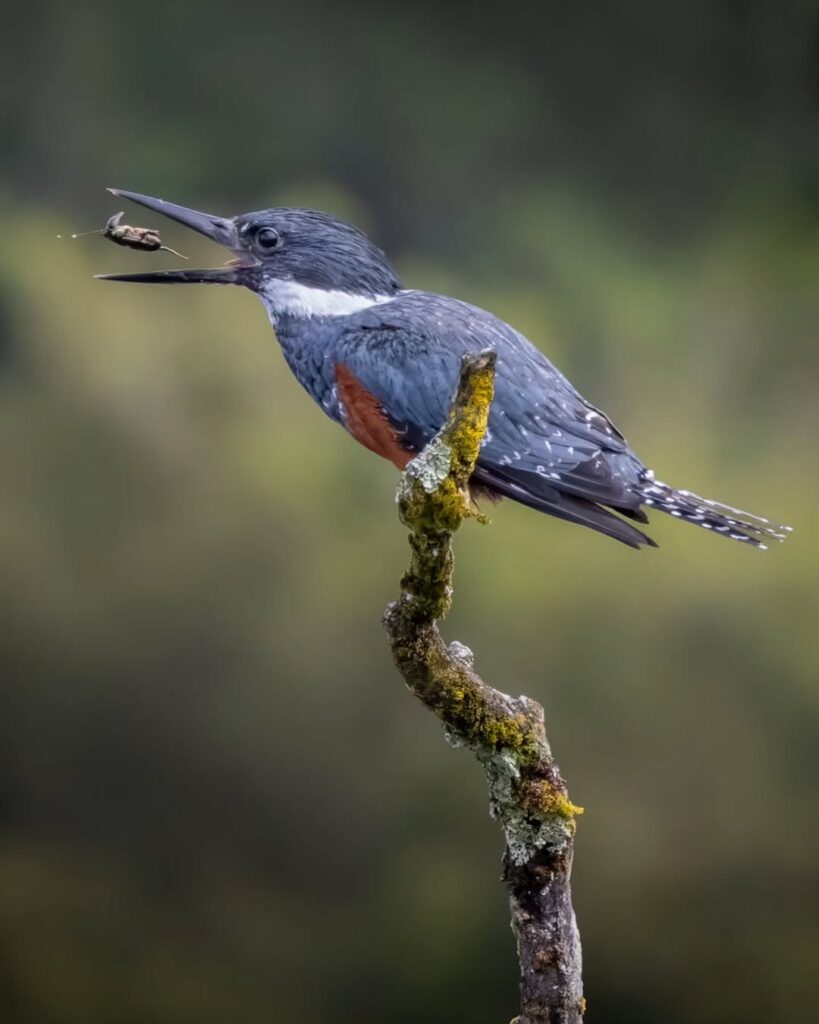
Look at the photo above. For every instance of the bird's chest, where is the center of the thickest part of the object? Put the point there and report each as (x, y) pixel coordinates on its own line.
(322, 368)
(309, 351)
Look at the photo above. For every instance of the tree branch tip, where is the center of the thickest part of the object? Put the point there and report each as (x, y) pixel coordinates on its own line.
(474, 361)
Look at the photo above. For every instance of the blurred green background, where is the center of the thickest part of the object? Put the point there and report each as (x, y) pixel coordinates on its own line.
(218, 802)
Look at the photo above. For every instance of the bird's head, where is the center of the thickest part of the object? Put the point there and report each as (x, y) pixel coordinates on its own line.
(299, 262)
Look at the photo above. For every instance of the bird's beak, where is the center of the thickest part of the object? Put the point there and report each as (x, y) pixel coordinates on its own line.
(218, 229)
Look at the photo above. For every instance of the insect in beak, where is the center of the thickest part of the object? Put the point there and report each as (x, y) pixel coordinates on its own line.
(144, 239)
(221, 230)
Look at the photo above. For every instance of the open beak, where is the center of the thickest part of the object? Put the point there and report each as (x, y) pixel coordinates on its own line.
(218, 229)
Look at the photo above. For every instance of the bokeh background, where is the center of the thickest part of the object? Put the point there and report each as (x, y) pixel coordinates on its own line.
(218, 802)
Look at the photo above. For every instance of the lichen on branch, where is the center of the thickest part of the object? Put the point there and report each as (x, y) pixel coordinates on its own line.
(527, 794)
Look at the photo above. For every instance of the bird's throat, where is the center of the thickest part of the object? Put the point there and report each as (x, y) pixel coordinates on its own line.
(291, 299)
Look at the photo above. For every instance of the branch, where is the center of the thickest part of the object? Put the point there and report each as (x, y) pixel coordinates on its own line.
(527, 794)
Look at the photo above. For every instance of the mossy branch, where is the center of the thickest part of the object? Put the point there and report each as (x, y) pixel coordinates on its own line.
(527, 794)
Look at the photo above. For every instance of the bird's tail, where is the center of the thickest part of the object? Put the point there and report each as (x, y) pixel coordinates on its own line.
(711, 515)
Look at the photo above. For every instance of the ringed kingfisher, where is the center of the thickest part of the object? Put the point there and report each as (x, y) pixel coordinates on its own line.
(383, 361)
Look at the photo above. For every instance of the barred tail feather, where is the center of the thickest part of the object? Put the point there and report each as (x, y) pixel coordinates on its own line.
(723, 520)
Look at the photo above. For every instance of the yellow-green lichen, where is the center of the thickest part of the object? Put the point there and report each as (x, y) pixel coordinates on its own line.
(461, 701)
(539, 796)
(467, 424)
(510, 733)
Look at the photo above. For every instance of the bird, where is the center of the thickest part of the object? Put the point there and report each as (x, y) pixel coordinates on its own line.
(383, 361)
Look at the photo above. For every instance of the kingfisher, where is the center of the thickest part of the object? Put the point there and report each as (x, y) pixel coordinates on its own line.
(383, 361)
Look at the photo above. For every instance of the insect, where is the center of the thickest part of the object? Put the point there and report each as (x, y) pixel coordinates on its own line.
(146, 239)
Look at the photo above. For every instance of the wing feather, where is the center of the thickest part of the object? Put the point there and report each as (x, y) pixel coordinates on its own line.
(543, 436)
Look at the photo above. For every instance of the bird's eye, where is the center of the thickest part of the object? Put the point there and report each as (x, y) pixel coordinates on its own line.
(267, 239)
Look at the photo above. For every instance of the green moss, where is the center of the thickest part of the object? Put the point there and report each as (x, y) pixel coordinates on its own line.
(441, 512)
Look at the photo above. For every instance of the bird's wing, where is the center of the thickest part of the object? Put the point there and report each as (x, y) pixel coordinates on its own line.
(545, 446)
(407, 354)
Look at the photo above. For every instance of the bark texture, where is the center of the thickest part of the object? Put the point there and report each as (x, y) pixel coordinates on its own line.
(527, 794)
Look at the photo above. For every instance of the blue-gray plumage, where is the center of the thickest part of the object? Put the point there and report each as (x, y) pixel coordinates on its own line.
(383, 362)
